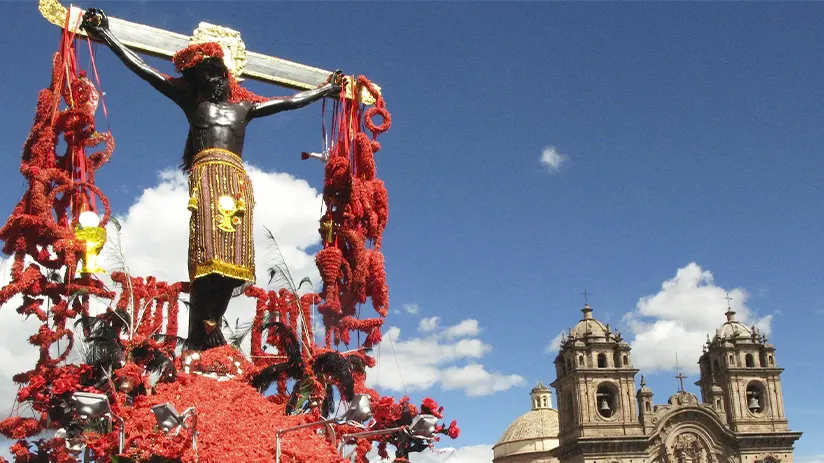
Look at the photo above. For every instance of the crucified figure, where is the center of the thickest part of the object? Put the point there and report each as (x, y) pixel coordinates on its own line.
(221, 247)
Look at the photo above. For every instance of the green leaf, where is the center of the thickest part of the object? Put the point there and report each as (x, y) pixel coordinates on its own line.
(305, 387)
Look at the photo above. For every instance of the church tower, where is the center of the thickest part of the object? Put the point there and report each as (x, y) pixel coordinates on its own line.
(595, 385)
(741, 380)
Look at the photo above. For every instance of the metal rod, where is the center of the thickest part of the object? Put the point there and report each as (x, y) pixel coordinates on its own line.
(194, 432)
(121, 434)
(379, 432)
(283, 431)
(277, 448)
(306, 425)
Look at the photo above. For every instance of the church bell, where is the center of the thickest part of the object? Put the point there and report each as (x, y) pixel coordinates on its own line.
(753, 404)
(604, 406)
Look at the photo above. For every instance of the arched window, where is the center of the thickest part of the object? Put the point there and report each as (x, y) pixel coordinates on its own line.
(732, 360)
(718, 404)
(625, 360)
(647, 406)
(580, 360)
(543, 401)
(715, 366)
(602, 361)
(749, 361)
(771, 360)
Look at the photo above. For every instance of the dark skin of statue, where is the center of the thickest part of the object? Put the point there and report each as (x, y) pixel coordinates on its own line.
(214, 122)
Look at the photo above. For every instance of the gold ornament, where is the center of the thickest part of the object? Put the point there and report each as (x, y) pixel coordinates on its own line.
(349, 85)
(53, 11)
(95, 238)
(192, 203)
(327, 230)
(234, 50)
(229, 209)
(210, 326)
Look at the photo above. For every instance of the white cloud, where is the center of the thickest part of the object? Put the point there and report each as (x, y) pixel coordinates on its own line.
(555, 344)
(468, 454)
(428, 324)
(468, 327)
(420, 363)
(16, 354)
(154, 238)
(412, 309)
(476, 381)
(687, 308)
(553, 159)
(156, 228)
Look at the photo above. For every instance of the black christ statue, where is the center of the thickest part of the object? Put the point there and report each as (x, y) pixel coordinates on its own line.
(221, 249)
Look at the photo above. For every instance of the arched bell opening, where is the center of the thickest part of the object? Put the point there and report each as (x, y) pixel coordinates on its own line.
(607, 400)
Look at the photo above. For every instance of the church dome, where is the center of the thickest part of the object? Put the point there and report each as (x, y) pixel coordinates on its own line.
(535, 432)
(534, 424)
(732, 328)
(589, 326)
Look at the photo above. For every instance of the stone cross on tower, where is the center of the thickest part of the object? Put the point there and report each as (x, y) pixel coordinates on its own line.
(680, 377)
(586, 296)
(164, 44)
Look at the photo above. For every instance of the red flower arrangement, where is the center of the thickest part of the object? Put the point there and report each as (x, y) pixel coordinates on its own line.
(16, 427)
(235, 421)
(195, 54)
(453, 431)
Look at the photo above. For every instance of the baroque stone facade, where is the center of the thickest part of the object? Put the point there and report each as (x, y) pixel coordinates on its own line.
(602, 418)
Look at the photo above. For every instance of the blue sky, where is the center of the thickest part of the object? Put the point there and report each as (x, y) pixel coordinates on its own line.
(689, 132)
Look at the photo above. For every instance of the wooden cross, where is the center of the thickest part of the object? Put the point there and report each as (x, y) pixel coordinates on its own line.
(164, 44)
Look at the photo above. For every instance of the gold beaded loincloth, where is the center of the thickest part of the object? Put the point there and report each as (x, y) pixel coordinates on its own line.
(221, 238)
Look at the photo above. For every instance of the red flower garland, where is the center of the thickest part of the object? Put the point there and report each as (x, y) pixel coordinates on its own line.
(195, 54)
(16, 427)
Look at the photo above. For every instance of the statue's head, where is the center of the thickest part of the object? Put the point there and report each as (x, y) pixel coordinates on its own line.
(203, 68)
(210, 79)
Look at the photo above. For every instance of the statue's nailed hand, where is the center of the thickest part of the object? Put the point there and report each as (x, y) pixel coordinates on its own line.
(95, 21)
(336, 81)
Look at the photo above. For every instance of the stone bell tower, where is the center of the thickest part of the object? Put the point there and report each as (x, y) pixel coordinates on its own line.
(595, 385)
(740, 378)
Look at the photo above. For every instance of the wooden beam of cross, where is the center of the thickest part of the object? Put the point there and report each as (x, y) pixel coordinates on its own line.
(164, 44)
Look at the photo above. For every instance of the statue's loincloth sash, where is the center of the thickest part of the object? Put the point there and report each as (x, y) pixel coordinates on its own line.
(221, 238)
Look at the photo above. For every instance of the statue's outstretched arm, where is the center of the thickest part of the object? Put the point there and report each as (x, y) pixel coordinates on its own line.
(96, 24)
(298, 100)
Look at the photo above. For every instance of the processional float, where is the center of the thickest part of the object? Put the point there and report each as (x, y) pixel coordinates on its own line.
(118, 400)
